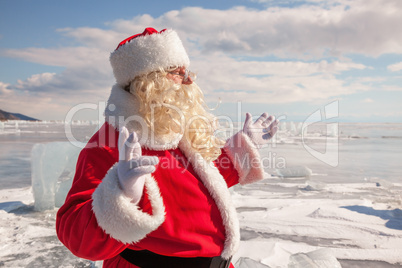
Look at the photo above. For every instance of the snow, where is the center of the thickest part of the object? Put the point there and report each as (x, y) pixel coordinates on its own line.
(294, 172)
(286, 232)
(315, 259)
(323, 216)
(28, 237)
(276, 231)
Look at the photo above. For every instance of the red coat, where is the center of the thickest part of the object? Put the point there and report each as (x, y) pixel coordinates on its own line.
(185, 210)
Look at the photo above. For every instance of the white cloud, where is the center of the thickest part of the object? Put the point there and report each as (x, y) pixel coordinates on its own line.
(326, 28)
(395, 67)
(4, 89)
(391, 88)
(35, 104)
(44, 96)
(86, 68)
(227, 49)
(272, 82)
(35, 81)
(307, 30)
(64, 56)
(368, 100)
(93, 38)
(45, 105)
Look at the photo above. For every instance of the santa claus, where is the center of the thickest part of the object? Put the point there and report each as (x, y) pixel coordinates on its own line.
(151, 186)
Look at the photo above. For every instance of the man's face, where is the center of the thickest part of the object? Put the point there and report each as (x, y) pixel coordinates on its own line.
(180, 76)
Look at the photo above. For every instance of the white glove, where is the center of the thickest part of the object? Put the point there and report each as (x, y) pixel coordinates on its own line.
(132, 165)
(263, 129)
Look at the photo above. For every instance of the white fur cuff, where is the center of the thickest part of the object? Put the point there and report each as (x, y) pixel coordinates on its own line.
(245, 158)
(121, 219)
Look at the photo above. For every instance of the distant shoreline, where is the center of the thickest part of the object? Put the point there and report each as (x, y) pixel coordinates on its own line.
(5, 116)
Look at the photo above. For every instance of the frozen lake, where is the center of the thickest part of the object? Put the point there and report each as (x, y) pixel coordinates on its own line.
(351, 208)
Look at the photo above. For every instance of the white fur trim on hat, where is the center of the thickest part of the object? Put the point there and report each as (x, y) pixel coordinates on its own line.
(147, 53)
(120, 218)
(245, 158)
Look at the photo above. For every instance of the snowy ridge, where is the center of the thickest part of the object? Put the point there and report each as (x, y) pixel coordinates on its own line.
(352, 211)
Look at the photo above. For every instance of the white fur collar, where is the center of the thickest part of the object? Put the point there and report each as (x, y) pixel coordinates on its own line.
(122, 110)
(126, 222)
(217, 188)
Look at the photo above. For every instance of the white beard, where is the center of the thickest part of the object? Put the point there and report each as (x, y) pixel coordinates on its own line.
(123, 110)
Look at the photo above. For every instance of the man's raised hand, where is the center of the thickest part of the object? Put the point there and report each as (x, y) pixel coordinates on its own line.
(132, 165)
(262, 130)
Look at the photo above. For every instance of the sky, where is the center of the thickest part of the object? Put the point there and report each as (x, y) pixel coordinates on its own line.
(288, 58)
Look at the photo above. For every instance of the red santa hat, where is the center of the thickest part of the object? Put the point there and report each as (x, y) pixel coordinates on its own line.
(147, 52)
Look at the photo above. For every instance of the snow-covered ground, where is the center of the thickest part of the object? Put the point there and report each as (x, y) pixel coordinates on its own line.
(310, 215)
(359, 224)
